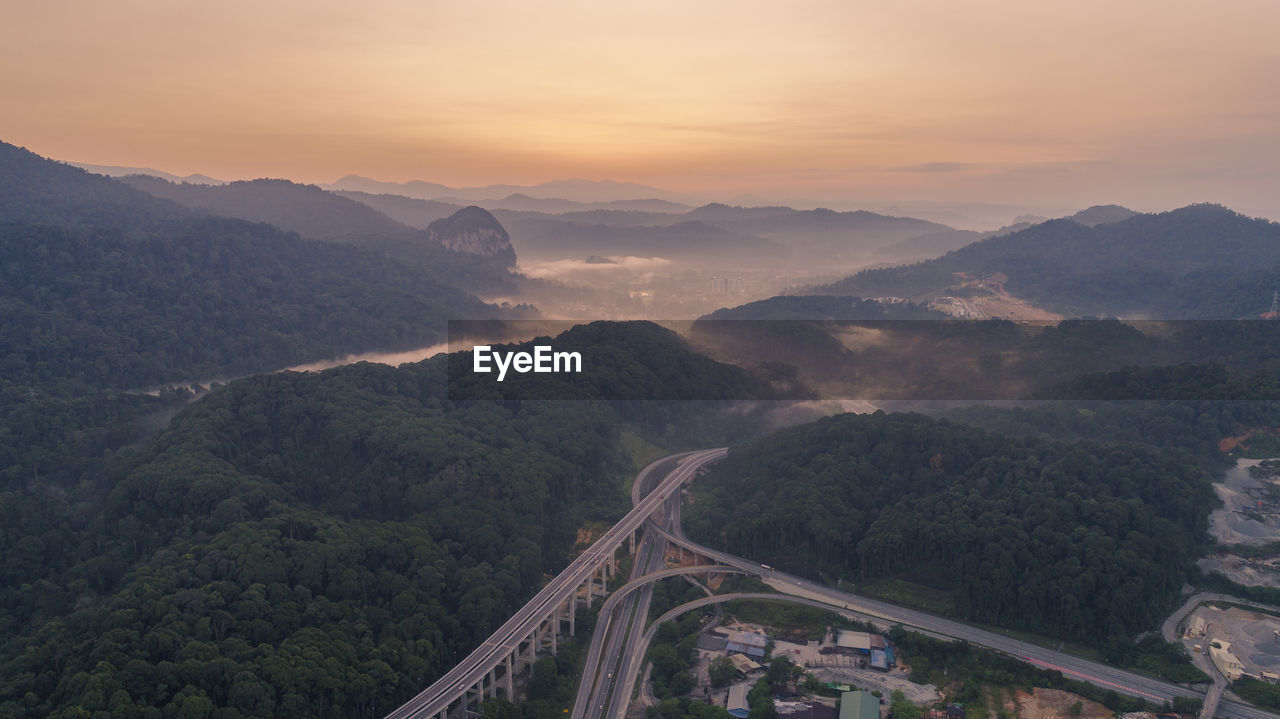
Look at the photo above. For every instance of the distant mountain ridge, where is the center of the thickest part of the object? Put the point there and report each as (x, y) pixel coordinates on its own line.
(105, 284)
(1200, 261)
(318, 214)
(37, 189)
(124, 171)
(576, 190)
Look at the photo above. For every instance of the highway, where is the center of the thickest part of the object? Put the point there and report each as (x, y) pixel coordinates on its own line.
(623, 616)
(472, 670)
(622, 657)
(1102, 675)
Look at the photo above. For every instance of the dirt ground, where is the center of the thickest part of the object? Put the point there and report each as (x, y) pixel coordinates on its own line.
(1253, 635)
(1056, 704)
(886, 682)
(1242, 571)
(997, 302)
(1227, 523)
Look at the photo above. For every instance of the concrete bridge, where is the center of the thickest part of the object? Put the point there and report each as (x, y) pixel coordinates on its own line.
(489, 671)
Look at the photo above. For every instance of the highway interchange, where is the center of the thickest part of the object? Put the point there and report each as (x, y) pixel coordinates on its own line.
(616, 653)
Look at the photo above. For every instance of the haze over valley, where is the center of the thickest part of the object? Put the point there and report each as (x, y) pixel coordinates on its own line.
(639, 360)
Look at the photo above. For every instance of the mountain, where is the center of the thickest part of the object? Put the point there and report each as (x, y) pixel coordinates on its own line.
(1102, 215)
(406, 210)
(35, 189)
(930, 245)
(332, 539)
(414, 188)
(104, 284)
(819, 237)
(473, 231)
(939, 243)
(577, 190)
(122, 171)
(321, 215)
(548, 237)
(544, 229)
(305, 209)
(620, 361)
(1000, 528)
(821, 307)
(1200, 261)
(557, 206)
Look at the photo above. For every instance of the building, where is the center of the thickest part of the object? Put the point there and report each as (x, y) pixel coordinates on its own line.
(737, 704)
(743, 664)
(793, 710)
(859, 705)
(749, 643)
(857, 642)
(1225, 661)
(879, 660)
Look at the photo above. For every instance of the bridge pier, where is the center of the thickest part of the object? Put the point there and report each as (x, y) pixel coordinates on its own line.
(528, 655)
(510, 678)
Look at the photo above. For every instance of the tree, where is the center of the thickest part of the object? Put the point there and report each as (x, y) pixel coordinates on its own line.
(779, 671)
(721, 671)
(901, 708)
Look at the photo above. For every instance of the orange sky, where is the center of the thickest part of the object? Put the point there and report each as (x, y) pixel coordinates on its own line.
(1152, 104)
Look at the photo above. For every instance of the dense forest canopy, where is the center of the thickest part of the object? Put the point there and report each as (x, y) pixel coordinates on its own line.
(201, 298)
(315, 543)
(1083, 540)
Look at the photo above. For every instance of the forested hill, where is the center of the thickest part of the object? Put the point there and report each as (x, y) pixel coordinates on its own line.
(201, 298)
(1083, 540)
(296, 545)
(1201, 261)
(305, 209)
(106, 285)
(472, 248)
(823, 307)
(34, 189)
(105, 288)
(300, 541)
(620, 361)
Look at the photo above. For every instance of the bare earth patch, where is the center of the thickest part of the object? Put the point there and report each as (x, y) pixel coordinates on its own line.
(1230, 524)
(1056, 704)
(1251, 573)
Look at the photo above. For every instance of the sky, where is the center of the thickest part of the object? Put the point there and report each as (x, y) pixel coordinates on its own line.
(1149, 104)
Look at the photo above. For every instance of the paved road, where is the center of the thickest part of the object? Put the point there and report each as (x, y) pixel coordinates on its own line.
(492, 651)
(1169, 630)
(596, 654)
(1102, 675)
(1099, 674)
(625, 614)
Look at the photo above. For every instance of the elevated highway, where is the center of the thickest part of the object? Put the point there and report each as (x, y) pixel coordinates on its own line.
(615, 658)
(489, 670)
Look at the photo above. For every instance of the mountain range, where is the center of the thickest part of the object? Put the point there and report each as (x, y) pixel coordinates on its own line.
(482, 260)
(589, 191)
(1200, 261)
(104, 283)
